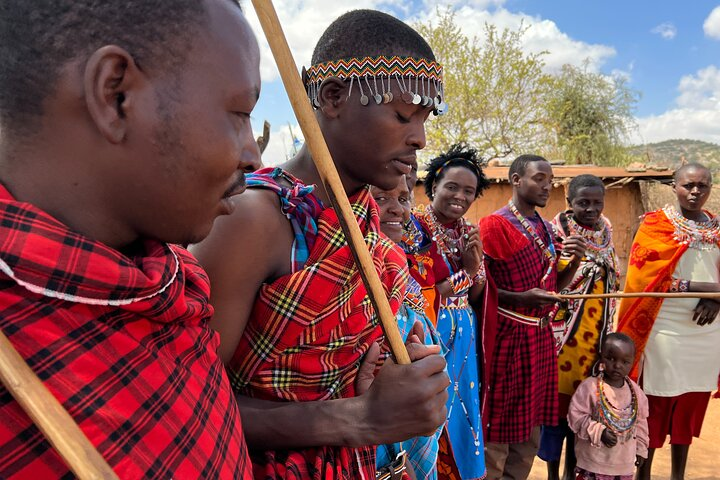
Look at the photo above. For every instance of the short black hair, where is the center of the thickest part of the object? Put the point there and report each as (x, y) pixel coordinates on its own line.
(520, 164)
(620, 337)
(39, 37)
(691, 166)
(369, 33)
(459, 155)
(585, 180)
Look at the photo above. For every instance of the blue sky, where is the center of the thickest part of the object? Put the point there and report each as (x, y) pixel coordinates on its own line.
(668, 50)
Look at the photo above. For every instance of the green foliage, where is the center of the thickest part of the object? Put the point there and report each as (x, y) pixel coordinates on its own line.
(494, 90)
(591, 116)
(502, 102)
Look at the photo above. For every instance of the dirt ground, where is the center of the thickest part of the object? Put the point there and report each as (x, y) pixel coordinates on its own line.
(703, 460)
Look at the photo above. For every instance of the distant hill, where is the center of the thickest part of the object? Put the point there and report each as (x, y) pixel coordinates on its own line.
(670, 153)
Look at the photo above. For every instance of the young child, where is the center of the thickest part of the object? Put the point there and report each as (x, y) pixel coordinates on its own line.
(609, 414)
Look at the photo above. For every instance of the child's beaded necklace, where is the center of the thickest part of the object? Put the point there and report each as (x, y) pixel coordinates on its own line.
(620, 421)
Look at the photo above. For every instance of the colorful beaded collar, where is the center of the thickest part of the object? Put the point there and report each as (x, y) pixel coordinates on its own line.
(415, 80)
(697, 235)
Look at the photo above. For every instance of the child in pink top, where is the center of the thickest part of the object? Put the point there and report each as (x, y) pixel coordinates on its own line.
(609, 417)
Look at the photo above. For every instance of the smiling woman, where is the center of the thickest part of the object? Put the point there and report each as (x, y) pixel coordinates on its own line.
(453, 182)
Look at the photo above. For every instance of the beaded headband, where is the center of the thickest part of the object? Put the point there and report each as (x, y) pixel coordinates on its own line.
(414, 78)
(470, 163)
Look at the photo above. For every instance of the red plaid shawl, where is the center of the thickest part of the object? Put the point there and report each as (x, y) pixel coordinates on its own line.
(124, 344)
(307, 335)
(523, 364)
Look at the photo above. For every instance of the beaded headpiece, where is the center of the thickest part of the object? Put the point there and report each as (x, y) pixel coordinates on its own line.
(375, 77)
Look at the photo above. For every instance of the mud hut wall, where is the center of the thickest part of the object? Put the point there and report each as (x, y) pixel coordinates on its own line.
(623, 207)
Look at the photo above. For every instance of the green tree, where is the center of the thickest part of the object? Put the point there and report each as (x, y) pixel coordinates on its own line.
(494, 90)
(590, 116)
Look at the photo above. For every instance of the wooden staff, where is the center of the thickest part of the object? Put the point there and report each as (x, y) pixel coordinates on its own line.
(50, 417)
(587, 296)
(330, 178)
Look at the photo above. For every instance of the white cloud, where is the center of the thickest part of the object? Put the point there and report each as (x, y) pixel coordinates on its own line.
(281, 149)
(542, 35)
(624, 74)
(304, 21)
(666, 30)
(711, 26)
(696, 114)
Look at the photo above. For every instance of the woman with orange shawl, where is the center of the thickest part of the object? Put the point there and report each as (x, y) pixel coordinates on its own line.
(676, 249)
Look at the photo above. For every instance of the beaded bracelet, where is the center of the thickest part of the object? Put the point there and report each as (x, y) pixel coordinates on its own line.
(480, 277)
(678, 285)
(460, 282)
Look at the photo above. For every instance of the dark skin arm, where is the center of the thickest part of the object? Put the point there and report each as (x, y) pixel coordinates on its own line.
(253, 246)
(573, 246)
(707, 308)
(471, 258)
(528, 298)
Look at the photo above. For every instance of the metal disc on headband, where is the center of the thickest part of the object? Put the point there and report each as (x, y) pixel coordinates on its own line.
(407, 97)
(378, 98)
(386, 98)
(390, 97)
(364, 99)
(416, 99)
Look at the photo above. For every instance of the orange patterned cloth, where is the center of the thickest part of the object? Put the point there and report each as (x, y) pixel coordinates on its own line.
(653, 258)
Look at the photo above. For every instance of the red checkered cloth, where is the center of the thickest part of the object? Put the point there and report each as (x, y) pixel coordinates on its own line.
(523, 364)
(123, 343)
(307, 335)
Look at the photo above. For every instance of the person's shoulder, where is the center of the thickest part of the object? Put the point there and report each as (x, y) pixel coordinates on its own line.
(587, 386)
(492, 221)
(256, 226)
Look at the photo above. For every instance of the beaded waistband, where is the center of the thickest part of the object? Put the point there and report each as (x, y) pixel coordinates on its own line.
(459, 302)
(524, 319)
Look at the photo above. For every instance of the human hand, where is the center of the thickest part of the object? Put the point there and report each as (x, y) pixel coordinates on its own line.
(639, 461)
(575, 246)
(472, 254)
(608, 438)
(706, 311)
(405, 401)
(537, 296)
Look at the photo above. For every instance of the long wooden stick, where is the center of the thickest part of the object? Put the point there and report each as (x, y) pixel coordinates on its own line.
(587, 296)
(326, 168)
(50, 417)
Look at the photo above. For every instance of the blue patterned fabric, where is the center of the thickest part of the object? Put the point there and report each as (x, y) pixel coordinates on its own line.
(422, 451)
(298, 203)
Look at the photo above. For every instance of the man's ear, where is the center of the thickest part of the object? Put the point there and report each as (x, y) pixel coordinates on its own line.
(332, 96)
(515, 179)
(109, 80)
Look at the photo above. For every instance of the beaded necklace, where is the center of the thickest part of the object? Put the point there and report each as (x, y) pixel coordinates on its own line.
(412, 238)
(597, 239)
(548, 251)
(620, 421)
(450, 240)
(414, 298)
(697, 235)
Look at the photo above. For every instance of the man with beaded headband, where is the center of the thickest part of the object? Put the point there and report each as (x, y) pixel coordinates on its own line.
(521, 258)
(676, 249)
(298, 333)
